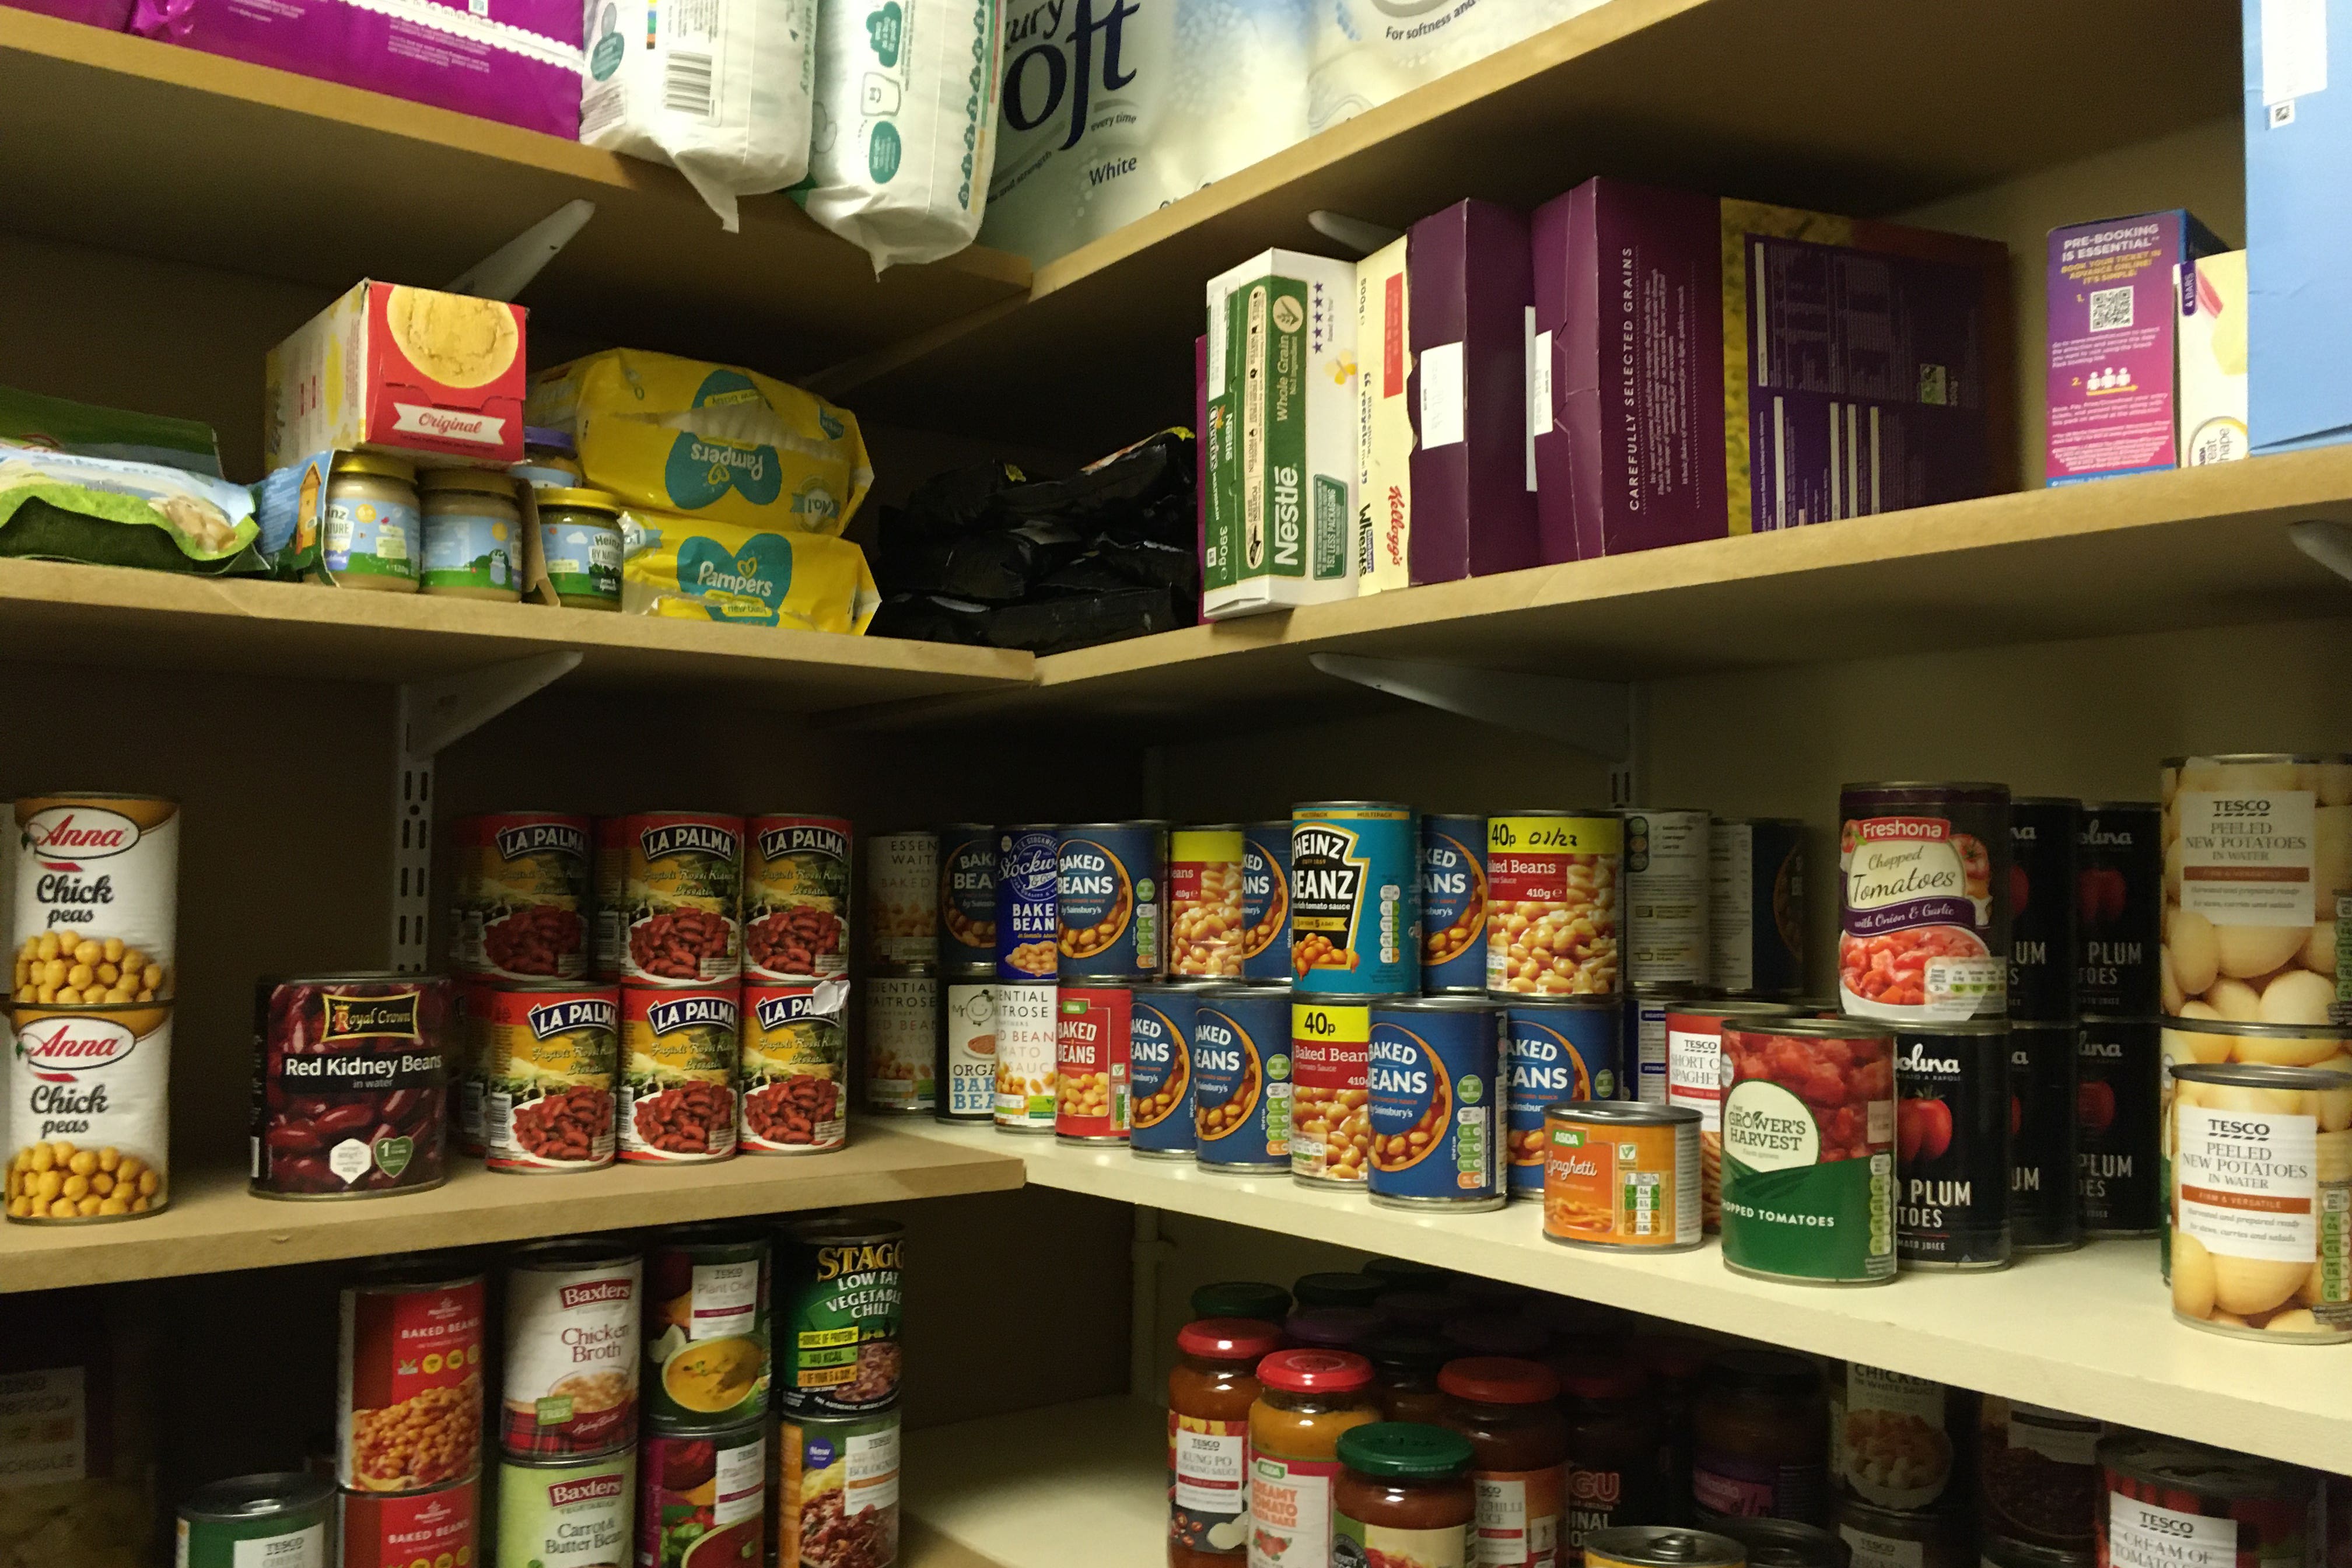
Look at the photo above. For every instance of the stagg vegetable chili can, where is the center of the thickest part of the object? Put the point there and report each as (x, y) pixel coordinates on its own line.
(2119, 907)
(1569, 1049)
(1159, 1069)
(2044, 832)
(840, 1287)
(1028, 1042)
(1110, 900)
(796, 897)
(281, 1521)
(1922, 907)
(522, 896)
(548, 1059)
(1241, 1079)
(1952, 1145)
(1265, 901)
(967, 899)
(1553, 925)
(1434, 1070)
(1090, 1063)
(1330, 1122)
(680, 1055)
(350, 1085)
(1694, 1080)
(1355, 898)
(963, 1064)
(1028, 923)
(1453, 905)
(2044, 1215)
(1756, 906)
(1809, 1150)
(1666, 896)
(2118, 1131)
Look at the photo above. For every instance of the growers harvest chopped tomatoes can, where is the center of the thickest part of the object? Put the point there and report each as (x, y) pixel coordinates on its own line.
(1924, 901)
(1809, 1151)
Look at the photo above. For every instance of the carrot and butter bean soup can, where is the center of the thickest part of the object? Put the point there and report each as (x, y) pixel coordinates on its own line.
(1090, 1063)
(1437, 1090)
(1110, 900)
(1619, 1174)
(1809, 1151)
(1242, 1079)
(1265, 901)
(1553, 927)
(555, 1508)
(1355, 898)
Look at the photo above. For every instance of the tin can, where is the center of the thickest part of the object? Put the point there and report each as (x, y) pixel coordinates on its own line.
(902, 875)
(2044, 1215)
(703, 1499)
(967, 899)
(1695, 1079)
(1922, 905)
(281, 1521)
(1110, 900)
(1330, 1118)
(1809, 1150)
(1952, 1145)
(796, 897)
(1552, 925)
(838, 1302)
(350, 1084)
(1788, 1544)
(84, 1084)
(963, 1062)
(1668, 881)
(96, 871)
(1883, 1537)
(1159, 1069)
(2037, 1481)
(523, 891)
(2119, 907)
(2044, 832)
(902, 1019)
(681, 1051)
(1453, 905)
(794, 1068)
(1028, 1042)
(1904, 1444)
(565, 1509)
(706, 1328)
(408, 1388)
(1437, 1104)
(1355, 898)
(1241, 1079)
(1617, 1174)
(1090, 1063)
(547, 1057)
(466, 1093)
(835, 1490)
(1028, 927)
(2118, 1132)
(1756, 906)
(1207, 932)
(1643, 1073)
(2172, 1501)
(670, 895)
(1570, 1048)
(1661, 1546)
(574, 1315)
(1265, 901)
(400, 1531)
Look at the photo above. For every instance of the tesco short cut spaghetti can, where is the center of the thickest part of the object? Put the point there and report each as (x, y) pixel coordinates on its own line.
(1435, 1070)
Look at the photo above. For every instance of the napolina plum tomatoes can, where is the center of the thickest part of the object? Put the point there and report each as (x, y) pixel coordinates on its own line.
(350, 1085)
(1809, 1150)
(1952, 1145)
(1923, 908)
(2119, 907)
(2044, 834)
(523, 894)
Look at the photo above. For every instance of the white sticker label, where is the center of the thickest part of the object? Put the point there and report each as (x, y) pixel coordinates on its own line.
(44, 1427)
(2142, 1535)
(2246, 859)
(873, 1459)
(2248, 1183)
(738, 1491)
(1442, 414)
(1502, 1520)
(1694, 1076)
(302, 1549)
(1883, 1552)
(351, 1159)
(1210, 1472)
(726, 1301)
(1539, 368)
(1217, 293)
(2295, 50)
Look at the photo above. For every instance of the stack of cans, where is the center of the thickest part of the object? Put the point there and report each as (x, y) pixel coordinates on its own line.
(902, 973)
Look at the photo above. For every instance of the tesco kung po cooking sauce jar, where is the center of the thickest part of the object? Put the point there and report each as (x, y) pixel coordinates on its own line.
(1209, 1391)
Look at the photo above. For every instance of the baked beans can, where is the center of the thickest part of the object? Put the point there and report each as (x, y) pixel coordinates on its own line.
(1809, 1150)
(282, 1521)
(574, 1318)
(2043, 1207)
(833, 1496)
(1355, 898)
(1923, 906)
(1090, 1063)
(2119, 1135)
(1552, 921)
(901, 1020)
(1265, 901)
(549, 1059)
(89, 1113)
(1159, 1069)
(1434, 1070)
(1110, 900)
(839, 1292)
(524, 891)
(1453, 905)
(1567, 1049)
(1330, 1119)
(2044, 835)
(963, 1063)
(796, 897)
(706, 1328)
(2119, 909)
(1028, 1042)
(680, 1054)
(1617, 1174)
(902, 871)
(1756, 906)
(672, 915)
(1207, 930)
(703, 1499)
(98, 884)
(1952, 1145)
(1241, 1079)
(408, 1390)
(402, 1529)
(1643, 1075)
(566, 1510)
(1028, 925)
(795, 1069)
(1668, 878)
(351, 1079)
(1695, 1079)
(967, 899)
(2170, 1501)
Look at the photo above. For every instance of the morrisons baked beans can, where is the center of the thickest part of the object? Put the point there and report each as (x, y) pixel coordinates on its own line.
(1952, 1145)
(402, 1529)
(1355, 898)
(1619, 1174)
(573, 1323)
(1028, 927)
(523, 891)
(902, 872)
(548, 1059)
(1207, 933)
(1922, 907)
(1028, 1042)
(1566, 1048)
(2119, 909)
(1666, 896)
(963, 1063)
(702, 1497)
(1160, 1069)
(1241, 1079)
(795, 1069)
(669, 894)
(2043, 835)
(2118, 1139)
(1809, 1150)
(1330, 1118)
(1110, 899)
(1756, 906)
(681, 1052)
(2044, 1215)
(408, 1390)
(1265, 901)
(1552, 925)
(1437, 1104)
(1453, 905)
(796, 876)
(1090, 1063)
(901, 1020)
(103, 872)
(967, 899)
(1695, 1081)
(552, 1508)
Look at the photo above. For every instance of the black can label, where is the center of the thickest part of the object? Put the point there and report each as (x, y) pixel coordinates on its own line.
(2042, 892)
(2119, 905)
(2041, 1204)
(2118, 1127)
(1951, 1147)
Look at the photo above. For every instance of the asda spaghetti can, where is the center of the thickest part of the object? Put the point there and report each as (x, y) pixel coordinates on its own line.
(1241, 1079)
(1355, 898)
(1265, 901)
(1160, 1069)
(1435, 1070)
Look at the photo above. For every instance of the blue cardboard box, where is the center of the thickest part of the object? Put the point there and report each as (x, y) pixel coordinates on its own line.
(2298, 82)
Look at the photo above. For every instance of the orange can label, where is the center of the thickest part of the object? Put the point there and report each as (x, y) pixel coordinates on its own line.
(1610, 1181)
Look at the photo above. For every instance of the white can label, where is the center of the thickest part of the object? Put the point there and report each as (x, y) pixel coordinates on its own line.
(873, 1479)
(901, 1017)
(726, 1301)
(89, 872)
(44, 1427)
(971, 1024)
(571, 1345)
(1209, 1468)
(1882, 1551)
(1026, 1041)
(2145, 1535)
(1668, 898)
(304, 1548)
(2248, 1183)
(902, 876)
(2246, 859)
(94, 1084)
(739, 1492)
(1694, 1076)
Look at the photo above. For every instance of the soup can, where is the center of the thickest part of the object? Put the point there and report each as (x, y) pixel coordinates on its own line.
(1793, 1543)
(351, 1084)
(566, 1509)
(702, 1497)
(963, 1062)
(966, 916)
(574, 1318)
(548, 1058)
(523, 894)
(1695, 1079)
(1922, 905)
(90, 1095)
(2045, 878)
(1452, 905)
(1666, 896)
(839, 1291)
(1206, 930)
(284, 1519)
(2044, 1215)
(1566, 1049)
(1090, 1063)
(1437, 1104)
(794, 1068)
(408, 1389)
(1110, 900)
(1159, 1069)
(1355, 898)
(2173, 1501)
(1241, 1079)
(1809, 1151)
(98, 884)
(1265, 901)
(2119, 1134)
(1553, 922)
(670, 891)
(902, 922)
(1952, 1145)
(2119, 907)
(796, 897)
(1330, 1118)
(1028, 1042)
(402, 1529)
(681, 1051)
(1028, 925)
(1617, 1173)
(902, 1024)
(706, 1328)
(833, 1489)
(1756, 906)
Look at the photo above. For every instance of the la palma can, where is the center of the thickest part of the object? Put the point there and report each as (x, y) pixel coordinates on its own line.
(1952, 1145)
(796, 897)
(679, 1051)
(1090, 1065)
(1110, 897)
(1241, 1079)
(548, 1059)
(1436, 1081)
(1160, 1069)
(1923, 910)
(669, 888)
(1809, 1150)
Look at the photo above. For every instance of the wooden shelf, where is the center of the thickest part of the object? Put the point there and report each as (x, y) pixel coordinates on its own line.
(165, 151)
(214, 1224)
(1066, 1486)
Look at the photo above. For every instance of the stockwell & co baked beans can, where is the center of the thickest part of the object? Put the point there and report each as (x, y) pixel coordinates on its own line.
(1923, 910)
(1756, 906)
(967, 899)
(902, 871)
(1241, 1079)
(1355, 898)
(1028, 1042)
(901, 1023)
(2045, 1113)
(2119, 909)
(794, 1073)
(840, 1287)
(706, 1327)
(1694, 1080)
(1552, 925)
(680, 1054)
(351, 1084)
(1617, 1174)
(565, 1509)
(2043, 835)
(1666, 896)
(1330, 1116)
(1453, 905)
(670, 892)
(103, 872)
(1090, 1063)
(574, 1318)
(282, 1521)
(1110, 897)
(963, 1063)
(2118, 1131)
(1159, 1069)
(1569, 1048)
(1028, 926)
(1265, 901)
(403, 1529)
(796, 876)
(1952, 1145)
(408, 1401)
(1207, 932)
(547, 1057)
(523, 894)
(703, 1499)
(1434, 1070)
(89, 1113)
(1809, 1151)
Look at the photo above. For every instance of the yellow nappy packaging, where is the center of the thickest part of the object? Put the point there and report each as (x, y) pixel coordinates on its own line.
(698, 568)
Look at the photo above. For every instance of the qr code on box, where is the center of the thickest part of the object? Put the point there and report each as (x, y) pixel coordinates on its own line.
(2111, 310)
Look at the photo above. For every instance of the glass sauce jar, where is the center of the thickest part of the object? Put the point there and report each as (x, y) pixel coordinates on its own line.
(1209, 1391)
(1307, 1400)
(1761, 1434)
(1404, 1496)
(1619, 1463)
(1332, 1328)
(1404, 1373)
(1507, 1411)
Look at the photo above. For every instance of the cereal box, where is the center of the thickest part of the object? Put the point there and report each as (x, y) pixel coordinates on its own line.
(433, 377)
(2112, 398)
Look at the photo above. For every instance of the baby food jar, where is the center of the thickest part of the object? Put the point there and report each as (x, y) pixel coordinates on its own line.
(550, 460)
(473, 531)
(371, 525)
(580, 534)
(1404, 1495)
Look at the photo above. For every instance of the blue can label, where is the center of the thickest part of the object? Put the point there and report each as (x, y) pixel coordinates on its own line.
(1454, 904)
(1241, 1080)
(1265, 901)
(968, 899)
(1159, 1073)
(1111, 882)
(1437, 1103)
(1028, 869)
(1355, 902)
(1554, 1054)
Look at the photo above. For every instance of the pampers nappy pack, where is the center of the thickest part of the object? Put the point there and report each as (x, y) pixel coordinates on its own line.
(696, 569)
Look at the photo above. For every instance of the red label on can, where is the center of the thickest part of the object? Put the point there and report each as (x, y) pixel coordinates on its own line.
(435, 1528)
(692, 1490)
(1090, 1061)
(409, 1411)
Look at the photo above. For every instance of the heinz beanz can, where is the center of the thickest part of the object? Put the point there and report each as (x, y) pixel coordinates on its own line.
(1454, 906)
(1355, 898)
(1667, 897)
(1027, 1043)
(1566, 1050)
(1241, 1079)
(1436, 1081)
(1554, 929)
(1159, 1069)
(1111, 892)
(1265, 901)
(1330, 1122)
(1809, 1150)
(967, 899)
(1028, 927)
(1090, 1064)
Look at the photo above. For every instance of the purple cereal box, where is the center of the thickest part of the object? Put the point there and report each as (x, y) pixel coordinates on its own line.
(2113, 325)
(1469, 316)
(113, 16)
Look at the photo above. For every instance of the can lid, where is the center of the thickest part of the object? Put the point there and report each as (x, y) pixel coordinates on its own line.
(2259, 1075)
(2260, 1031)
(2148, 806)
(2241, 759)
(579, 500)
(1938, 787)
(1336, 1289)
(1335, 1327)
(1315, 1371)
(2072, 802)
(1404, 1451)
(1824, 1028)
(1240, 1298)
(2192, 1467)
(1664, 1546)
(1620, 1112)
(1499, 1380)
(249, 1496)
(1787, 1543)
(834, 1229)
(1230, 1339)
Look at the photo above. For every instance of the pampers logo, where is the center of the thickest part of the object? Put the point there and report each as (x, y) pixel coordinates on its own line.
(735, 581)
(702, 468)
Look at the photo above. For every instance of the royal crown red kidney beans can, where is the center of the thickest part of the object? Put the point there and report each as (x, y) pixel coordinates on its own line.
(1090, 1063)
(703, 1499)
(794, 1069)
(2174, 1504)
(902, 914)
(901, 1020)
(679, 904)
(1694, 1080)
(1565, 1048)
(1355, 898)
(1666, 896)
(1756, 906)
(1809, 1150)
(2043, 1212)
(1111, 901)
(1331, 1117)
(401, 1530)
(967, 899)
(1265, 901)
(350, 1080)
(1434, 1070)
(1028, 926)
(963, 1064)
(1453, 905)
(2044, 834)
(1642, 1073)
(1952, 1145)
(2118, 908)
(1241, 1079)
(1923, 910)
(1160, 1069)
(2118, 1137)
(523, 894)
(1028, 1042)
(796, 876)
(1554, 924)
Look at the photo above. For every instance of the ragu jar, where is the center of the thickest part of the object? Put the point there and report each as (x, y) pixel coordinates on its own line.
(1404, 1496)
(1762, 1439)
(1619, 1453)
(1209, 1392)
(1309, 1399)
(1518, 1441)
(1404, 1371)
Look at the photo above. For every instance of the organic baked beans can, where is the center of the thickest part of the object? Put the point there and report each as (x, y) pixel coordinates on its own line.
(1553, 926)
(524, 891)
(2172, 1502)
(408, 1393)
(400, 1531)
(1437, 1103)
(2044, 1215)
(2119, 909)
(1028, 1042)
(1265, 901)
(840, 1287)
(703, 1499)
(1028, 923)
(1330, 1122)
(967, 899)
(1453, 905)
(706, 1327)
(566, 1511)
(1924, 901)
(549, 1059)
(98, 882)
(2119, 1134)
(1090, 1063)
(1952, 1145)
(1554, 1051)
(1241, 1079)
(902, 873)
(834, 1492)
(1809, 1151)
(574, 1312)
(1643, 1076)
(350, 1080)
(1695, 1079)
(89, 1113)
(281, 1521)
(1355, 898)
(1110, 900)
(1617, 1173)
(796, 897)
(1159, 1069)
(678, 921)
(1756, 906)
(963, 1063)
(2044, 835)
(795, 1069)
(901, 1020)
(1668, 876)
(1207, 935)
(681, 1052)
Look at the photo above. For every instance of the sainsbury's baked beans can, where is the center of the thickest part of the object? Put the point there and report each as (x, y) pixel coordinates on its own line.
(1160, 1069)
(967, 899)
(1330, 1119)
(1242, 1079)
(408, 1390)
(2044, 1213)
(1090, 1063)
(1552, 925)
(564, 1508)
(796, 897)
(1206, 931)
(1952, 1145)
(901, 1020)
(840, 1290)
(1355, 898)
(794, 1068)
(702, 1497)
(1566, 1048)
(2118, 1066)
(2043, 835)
(1620, 1174)
(681, 1052)
(670, 894)
(902, 871)
(350, 1080)
(523, 894)
(1666, 896)
(403, 1529)
(1756, 906)
(2119, 909)
(1437, 1104)
(98, 882)
(1265, 901)
(89, 1113)
(1110, 899)
(1695, 1081)
(1453, 905)
(963, 1063)
(1028, 926)
(547, 1057)
(573, 1321)
(1809, 1150)
(1923, 908)
(1028, 1042)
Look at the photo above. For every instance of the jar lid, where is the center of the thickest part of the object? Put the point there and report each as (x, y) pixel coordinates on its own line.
(1765, 1372)
(1404, 1451)
(1404, 1272)
(1315, 1372)
(1604, 1380)
(1240, 1298)
(1487, 1292)
(1499, 1380)
(1337, 1289)
(1421, 1308)
(1336, 1327)
(480, 482)
(1229, 1338)
(1408, 1352)
(375, 463)
(1498, 1334)
(589, 500)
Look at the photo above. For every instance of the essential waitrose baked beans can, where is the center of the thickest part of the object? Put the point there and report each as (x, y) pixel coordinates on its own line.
(2044, 832)
(1453, 905)
(1668, 876)
(1694, 1080)
(1265, 901)
(523, 892)
(681, 1052)
(796, 877)
(548, 1059)
(1553, 918)
(706, 1327)
(2118, 1133)
(795, 1071)
(1241, 1079)
(835, 1491)
(1090, 1063)
(1028, 926)
(1566, 1048)
(1952, 1145)
(1160, 1069)
(1809, 1150)
(901, 1020)
(281, 1521)
(1207, 933)
(963, 1064)
(400, 1531)
(1621, 1175)
(350, 1080)
(1355, 898)
(967, 899)
(408, 1389)
(1923, 910)
(1437, 1104)
(2044, 1215)
(89, 1113)
(2119, 909)
(1028, 1041)
(1756, 906)
(1330, 1119)
(573, 1317)
(840, 1289)
(565, 1509)
(1110, 900)
(673, 914)
(100, 869)
(703, 1499)
(902, 872)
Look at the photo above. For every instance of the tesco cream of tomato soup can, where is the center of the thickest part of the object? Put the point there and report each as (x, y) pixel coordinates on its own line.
(1090, 1063)
(902, 872)
(1330, 1115)
(1265, 901)
(524, 891)
(1110, 896)
(794, 1068)
(1924, 895)
(680, 1052)
(1553, 927)
(2170, 1501)
(1668, 855)
(1809, 1151)
(703, 1499)
(1437, 1104)
(89, 1113)
(1355, 898)
(1569, 1048)
(1241, 1080)
(796, 914)
(574, 1316)
(98, 879)
(408, 1411)
(967, 899)
(1206, 931)
(1159, 1069)
(1452, 905)
(1028, 923)
(1028, 1044)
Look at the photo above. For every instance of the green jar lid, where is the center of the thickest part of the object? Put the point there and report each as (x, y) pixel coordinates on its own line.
(1338, 1289)
(1404, 1451)
(1242, 1298)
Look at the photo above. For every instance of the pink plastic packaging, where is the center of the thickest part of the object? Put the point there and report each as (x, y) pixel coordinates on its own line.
(113, 16)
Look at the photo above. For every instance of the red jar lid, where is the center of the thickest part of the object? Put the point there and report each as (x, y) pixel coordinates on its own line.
(1316, 1371)
(1604, 1380)
(1229, 1338)
(1498, 1379)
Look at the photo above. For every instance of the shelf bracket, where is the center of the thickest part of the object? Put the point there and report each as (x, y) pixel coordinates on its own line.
(508, 270)
(2329, 543)
(1359, 235)
(1593, 716)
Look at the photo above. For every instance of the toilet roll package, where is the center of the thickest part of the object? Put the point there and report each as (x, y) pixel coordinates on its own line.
(1370, 51)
